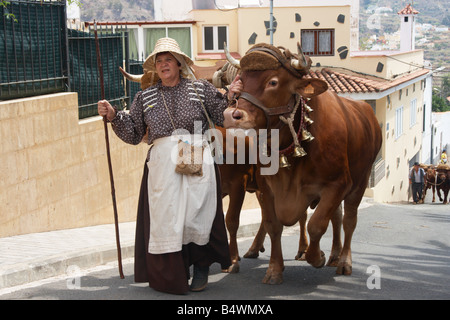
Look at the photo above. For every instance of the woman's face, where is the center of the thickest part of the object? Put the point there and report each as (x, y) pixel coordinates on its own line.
(167, 68)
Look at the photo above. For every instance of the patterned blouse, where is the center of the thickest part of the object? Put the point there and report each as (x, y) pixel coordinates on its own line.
(148, 110)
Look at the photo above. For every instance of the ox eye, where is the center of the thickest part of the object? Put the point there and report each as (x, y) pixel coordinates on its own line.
(272, 83)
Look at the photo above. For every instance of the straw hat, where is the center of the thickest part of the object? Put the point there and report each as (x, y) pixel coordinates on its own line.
(167, 45)
(150, 76)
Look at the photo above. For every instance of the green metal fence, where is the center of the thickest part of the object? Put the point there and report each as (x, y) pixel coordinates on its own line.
(84, 74)
(33, 51)
(39, 54)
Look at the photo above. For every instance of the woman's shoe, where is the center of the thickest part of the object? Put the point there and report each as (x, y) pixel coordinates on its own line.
(200, 279)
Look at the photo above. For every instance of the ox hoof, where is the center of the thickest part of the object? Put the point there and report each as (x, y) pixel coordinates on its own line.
(321, 262)
(333, 261)
(273, 278)
(253, 254)
(344, 269)
(234, 268)
(301, 256)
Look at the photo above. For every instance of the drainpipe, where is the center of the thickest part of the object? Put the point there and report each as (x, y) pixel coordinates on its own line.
(271, 22)
(432, 141)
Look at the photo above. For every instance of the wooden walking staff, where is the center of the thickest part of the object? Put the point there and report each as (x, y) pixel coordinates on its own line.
(108, 153)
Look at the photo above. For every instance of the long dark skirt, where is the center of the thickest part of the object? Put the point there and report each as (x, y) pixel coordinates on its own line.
(169, 272)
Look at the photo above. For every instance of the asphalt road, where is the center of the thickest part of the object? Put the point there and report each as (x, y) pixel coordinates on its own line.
(399, 251)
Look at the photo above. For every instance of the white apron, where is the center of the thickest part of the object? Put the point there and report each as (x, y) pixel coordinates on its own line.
(182, 207)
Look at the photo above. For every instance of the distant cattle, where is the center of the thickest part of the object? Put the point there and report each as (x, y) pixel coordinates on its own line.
(433, 181)
(443, 172)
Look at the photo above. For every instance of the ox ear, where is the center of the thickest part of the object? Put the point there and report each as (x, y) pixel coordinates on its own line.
(311, 87)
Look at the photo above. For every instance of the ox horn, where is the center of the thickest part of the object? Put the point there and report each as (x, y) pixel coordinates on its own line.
(234, 62)
(301, 63)
(131, 77)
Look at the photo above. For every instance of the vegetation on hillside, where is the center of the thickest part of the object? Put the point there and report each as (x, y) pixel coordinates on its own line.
(117, 10)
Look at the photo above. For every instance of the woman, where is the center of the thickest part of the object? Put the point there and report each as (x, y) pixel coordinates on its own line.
(180, 219)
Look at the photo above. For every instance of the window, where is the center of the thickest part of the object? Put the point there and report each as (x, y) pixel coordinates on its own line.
(181, 34)
(318, 42)
(424, 117)
(413, 112)
(398, 122)
(214, 38)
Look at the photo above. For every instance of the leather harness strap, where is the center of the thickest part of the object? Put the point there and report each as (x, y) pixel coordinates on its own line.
(268, 111)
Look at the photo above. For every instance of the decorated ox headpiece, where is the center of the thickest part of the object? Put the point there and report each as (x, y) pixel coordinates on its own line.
(262, 57)
(266, 57)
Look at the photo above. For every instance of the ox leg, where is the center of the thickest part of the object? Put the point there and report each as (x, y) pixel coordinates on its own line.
(351, 204)
(232, 222)
(329, 208)
(336, 248)
(438, 191)
(303, 241)
(424, 192)
(433, 188)
(274, 273)
(258, 243)
(317, 226)
(344, 266)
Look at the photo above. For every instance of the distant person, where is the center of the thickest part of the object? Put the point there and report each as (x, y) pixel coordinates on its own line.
(444, 156)
(417, 181)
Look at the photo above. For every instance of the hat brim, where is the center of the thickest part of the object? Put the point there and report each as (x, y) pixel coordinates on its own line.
(165, 45)
(149, 63)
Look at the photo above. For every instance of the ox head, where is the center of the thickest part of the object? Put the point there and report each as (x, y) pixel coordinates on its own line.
(272, 78)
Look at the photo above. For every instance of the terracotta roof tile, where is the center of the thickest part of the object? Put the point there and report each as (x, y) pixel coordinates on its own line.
(341, 82)
(408, 10)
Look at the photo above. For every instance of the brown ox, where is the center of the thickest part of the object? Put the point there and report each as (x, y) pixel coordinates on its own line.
(338, 161)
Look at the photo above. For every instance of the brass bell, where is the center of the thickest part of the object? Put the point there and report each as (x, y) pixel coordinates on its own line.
(306, 135)
(284, 163)
(308, 120)
(299, 152)
(308, 108)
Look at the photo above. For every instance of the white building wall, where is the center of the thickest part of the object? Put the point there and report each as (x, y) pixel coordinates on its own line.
(427, 122)
(441, 134)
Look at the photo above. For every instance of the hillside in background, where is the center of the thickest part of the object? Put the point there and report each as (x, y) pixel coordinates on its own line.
(117, 10)
(436, 13)
(382, 34)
